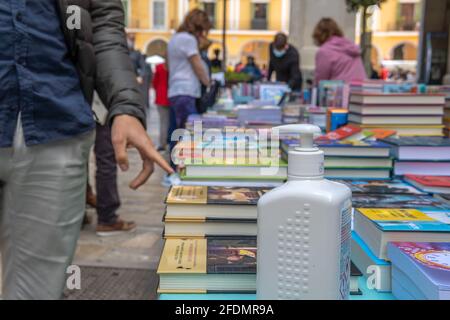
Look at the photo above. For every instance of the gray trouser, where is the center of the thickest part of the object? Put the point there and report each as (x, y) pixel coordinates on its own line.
(164, 121)
(42, 203)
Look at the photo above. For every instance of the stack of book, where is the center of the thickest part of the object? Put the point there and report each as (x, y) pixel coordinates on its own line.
(400, 218)
(445, 90)
(333, 94)
(375, 228)
(233, 158)
(420, 270)
(406, 113)
(267, 92)
(354, 133)
(351, 159)
(210, 243)
(420, 155)
(207, 266)
(199, 211)
(268, 115)
(447, 118)
(234, 173)
(211, 120)
(368, 86)
(430, 184)
(362, 255)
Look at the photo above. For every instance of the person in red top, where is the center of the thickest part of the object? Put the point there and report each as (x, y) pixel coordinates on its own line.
(160, 84)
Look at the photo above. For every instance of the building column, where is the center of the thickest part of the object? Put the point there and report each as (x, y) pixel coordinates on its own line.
(285, 12)
(304, 15)
(435, 18)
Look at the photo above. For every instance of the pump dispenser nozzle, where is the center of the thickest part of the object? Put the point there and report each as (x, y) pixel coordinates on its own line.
(307, 133)
(305, 161)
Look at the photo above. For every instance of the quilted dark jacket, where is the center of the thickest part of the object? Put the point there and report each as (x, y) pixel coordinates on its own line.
(100, 52)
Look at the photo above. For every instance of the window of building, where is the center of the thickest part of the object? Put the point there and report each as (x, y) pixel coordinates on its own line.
(210, 8)
(259, 15)
(409, 15)
(159, 14)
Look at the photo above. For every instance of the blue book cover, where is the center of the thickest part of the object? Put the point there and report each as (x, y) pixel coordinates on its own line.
(426, 264)
(403, 201)
(380, 187)
(404, 220)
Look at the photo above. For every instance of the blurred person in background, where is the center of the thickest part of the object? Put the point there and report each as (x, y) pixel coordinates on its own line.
(338, 58)
(49, 73)
(160, 84)
(252, 69)
(239, 66)
(108, 199)
(285, 62)
(187, 71)
(142, 69)
(216, 63)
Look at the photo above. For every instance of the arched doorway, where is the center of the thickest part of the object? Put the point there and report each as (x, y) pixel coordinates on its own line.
(404, 51)
(259, 50)
(156, 47)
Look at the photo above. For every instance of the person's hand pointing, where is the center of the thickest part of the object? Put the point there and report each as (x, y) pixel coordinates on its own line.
(128, 132)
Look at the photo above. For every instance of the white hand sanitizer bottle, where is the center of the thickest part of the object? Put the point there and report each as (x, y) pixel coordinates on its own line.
(304, 230)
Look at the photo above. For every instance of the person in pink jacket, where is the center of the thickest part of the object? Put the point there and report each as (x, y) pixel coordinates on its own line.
(338, 58)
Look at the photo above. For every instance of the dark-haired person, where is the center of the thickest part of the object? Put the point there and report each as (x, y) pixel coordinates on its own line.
(187, 70)
(216, 63)
(338, 58)
(285, 62)
(252, 69)
(48, 73)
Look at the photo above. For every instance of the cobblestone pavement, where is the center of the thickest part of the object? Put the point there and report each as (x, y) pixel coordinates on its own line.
(139, 250)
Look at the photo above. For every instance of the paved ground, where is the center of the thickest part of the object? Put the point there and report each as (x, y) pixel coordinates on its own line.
(136, 251)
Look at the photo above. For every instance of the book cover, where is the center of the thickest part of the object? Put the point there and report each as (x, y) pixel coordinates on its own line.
(418, 141)
(342, 133)
(380, 187)
(444, 198)
(260, 162)
(432, 260)
(208, 256)
(228, 179)
(379, 133)
(430, 181)
(351, 144)
(215, 195)
(383, 201)
(412, 220)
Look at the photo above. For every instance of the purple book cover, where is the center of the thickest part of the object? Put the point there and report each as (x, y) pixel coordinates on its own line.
(431, 259)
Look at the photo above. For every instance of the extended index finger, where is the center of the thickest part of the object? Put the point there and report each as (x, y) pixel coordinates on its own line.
(149, 152)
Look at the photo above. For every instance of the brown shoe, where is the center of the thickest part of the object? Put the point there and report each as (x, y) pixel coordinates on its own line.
(115, 229)
(91, 198)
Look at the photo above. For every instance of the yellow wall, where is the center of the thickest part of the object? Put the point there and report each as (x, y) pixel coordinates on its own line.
(386, 43)
(386, 38)
(388, 15)
(237, 42)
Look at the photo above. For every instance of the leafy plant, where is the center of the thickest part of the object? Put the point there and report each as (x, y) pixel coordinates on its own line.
(235, 77)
